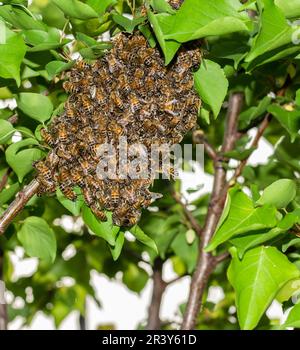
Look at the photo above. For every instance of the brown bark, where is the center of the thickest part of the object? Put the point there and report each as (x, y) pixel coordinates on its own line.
(206, 262)
(18, 204)
(159, 286)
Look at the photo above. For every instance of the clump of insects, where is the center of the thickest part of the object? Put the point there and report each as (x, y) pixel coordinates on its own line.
(128, 92)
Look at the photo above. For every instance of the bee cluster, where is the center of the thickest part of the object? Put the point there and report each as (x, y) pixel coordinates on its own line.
(129, 92)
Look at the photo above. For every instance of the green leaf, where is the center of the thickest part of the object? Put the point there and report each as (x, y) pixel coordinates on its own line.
(158, 24)
(273, 34)
(100, 5)
(8, 193)
(6, 131)
(256, 280)
(205, 18)
(252, 113)
(253, 239)
(279, 194)
(162, 6)
(12, 53)
(117, 248)
(297, 99)
(36, 106)
(38, 239)
(211, 85)
(76, 9)
(55, 67)
(293, 319)
(126, 23)
(290, 289)
(291, 8)
(20, 19)
(242, 218)
(73, 206)
(21, 160)
(135, 278)
(290, 120)
(105, 230)
(187, 252)
(140, 235)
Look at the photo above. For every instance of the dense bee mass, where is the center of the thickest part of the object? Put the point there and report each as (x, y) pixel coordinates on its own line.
(129, 92)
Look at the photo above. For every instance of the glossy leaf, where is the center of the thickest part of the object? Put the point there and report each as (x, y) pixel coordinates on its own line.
(117, 248)
(140, 235)
(205, 18)
(211, 85)
(76, 9)
(6, 131)
(36, 106)
(280, 193)
(256, 279)
(105, 230)
(21, 160)
(273, 34)
(12, 53)
(290, 120)
(38, 239)
(242, 218)
(293, 319)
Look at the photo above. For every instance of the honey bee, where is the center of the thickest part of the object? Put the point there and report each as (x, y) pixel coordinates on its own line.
(136, 42)
(77, 177)
(52, 159)
(70, 87)
(132, 218)
(100, 96)
(81, 65)
(43, 169)
(94, 149)
(85, 166)
(87, 103)
(100, 214)
(137, 79)
(145, 56)
(115, 128)
(70, 112)
(172, 107)
(123, 83)
(116, 99)
(87, 195)
(86, 134)
(47, 137)
(63, 153)
(113, 64)
(62, 133)
(67, 191)
(134, 102)
(115, 195)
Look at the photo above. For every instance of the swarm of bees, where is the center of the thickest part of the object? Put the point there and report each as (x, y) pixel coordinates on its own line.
(128, 92)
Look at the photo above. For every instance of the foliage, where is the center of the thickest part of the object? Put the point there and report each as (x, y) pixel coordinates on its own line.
(250, 47)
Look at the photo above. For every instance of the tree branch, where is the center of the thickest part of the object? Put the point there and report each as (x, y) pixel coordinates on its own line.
(159, 286)
(206, 263)
(188, 214)
(199, 138)
(18, 204)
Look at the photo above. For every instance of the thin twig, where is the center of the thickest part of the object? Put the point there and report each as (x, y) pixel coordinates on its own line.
(206, 263)
(18, 204)
(260, 131)
(159, 286)
(4, 179)
(199, 138)
(188, 214)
